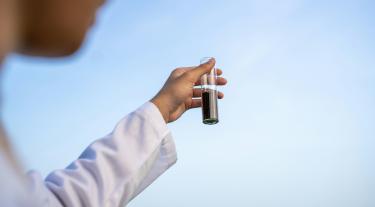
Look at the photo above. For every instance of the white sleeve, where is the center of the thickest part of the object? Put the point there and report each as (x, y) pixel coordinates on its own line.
(114, 169)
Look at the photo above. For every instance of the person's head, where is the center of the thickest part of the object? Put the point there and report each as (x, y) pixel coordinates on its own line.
(54, 27)
(7, 27)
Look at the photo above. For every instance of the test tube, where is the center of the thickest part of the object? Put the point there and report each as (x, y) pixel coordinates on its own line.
(209, 96)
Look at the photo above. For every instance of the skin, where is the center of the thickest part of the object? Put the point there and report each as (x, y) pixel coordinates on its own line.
(57, 28)
(7, 42)
(7, 27)
(178, 93)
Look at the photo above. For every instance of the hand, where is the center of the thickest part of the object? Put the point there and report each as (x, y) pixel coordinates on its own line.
(178, 93)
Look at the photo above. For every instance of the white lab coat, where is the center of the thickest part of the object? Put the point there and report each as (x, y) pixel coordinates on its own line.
(109, 173)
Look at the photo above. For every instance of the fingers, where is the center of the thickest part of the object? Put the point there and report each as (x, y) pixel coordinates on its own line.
(219, 72)
(220, 81)
(220, 95)
(196, 103)
(194, 74)
(197, 92)
(180, 71)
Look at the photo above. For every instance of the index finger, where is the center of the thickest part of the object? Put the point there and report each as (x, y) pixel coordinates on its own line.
(194, 74)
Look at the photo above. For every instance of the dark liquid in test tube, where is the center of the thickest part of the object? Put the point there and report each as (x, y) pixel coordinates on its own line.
(209, 106)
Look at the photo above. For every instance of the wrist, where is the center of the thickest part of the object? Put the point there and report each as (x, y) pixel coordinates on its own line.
(163, 109)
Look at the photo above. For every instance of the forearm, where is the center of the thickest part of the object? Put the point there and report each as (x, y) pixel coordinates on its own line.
(112, 170)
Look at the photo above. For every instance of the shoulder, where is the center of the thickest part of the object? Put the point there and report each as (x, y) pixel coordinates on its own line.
(13, 192)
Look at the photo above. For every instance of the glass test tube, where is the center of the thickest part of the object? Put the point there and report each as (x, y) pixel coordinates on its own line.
(209, 96)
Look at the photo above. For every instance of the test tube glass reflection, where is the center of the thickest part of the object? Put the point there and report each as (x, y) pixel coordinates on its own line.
(209, 96)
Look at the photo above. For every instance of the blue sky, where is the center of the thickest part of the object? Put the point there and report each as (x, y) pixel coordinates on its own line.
(296, 126)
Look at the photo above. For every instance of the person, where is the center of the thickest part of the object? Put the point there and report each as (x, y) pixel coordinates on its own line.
(112, 170)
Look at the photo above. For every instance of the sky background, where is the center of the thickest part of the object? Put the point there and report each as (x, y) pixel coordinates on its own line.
(296, 126)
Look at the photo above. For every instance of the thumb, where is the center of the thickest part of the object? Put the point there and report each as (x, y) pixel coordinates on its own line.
(200, 70)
